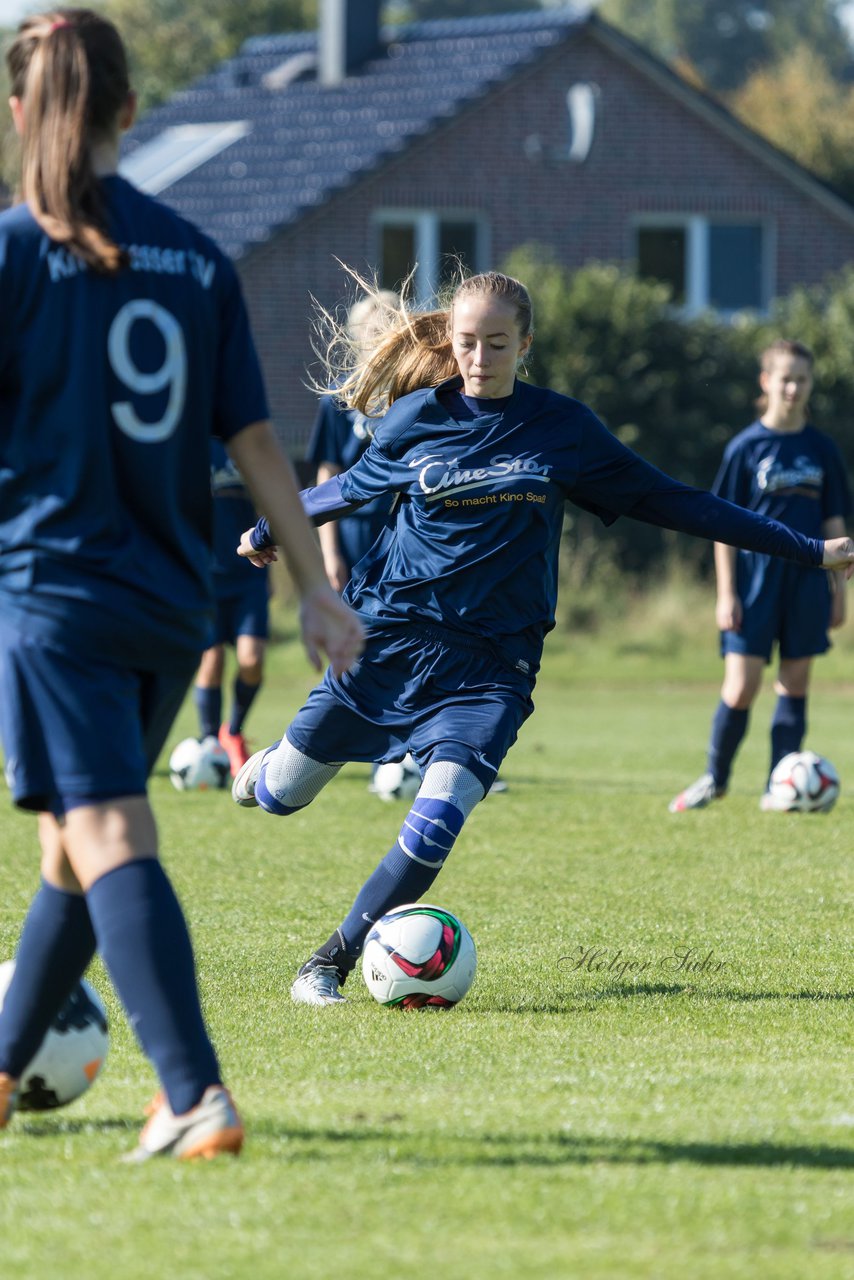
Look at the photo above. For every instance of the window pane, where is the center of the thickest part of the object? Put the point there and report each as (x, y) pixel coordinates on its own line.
(397, 255)
(457, 245)
(661, 256)
(735, 266)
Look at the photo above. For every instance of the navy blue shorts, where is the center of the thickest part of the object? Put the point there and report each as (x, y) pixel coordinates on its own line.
(420, 690)
(787, 605)
(76, 731)
(243, 613)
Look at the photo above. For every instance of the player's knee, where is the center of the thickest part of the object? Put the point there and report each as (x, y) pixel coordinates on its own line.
(739, 696)
(280, 803)
(288, 780)
(250, 662)
(430, 829)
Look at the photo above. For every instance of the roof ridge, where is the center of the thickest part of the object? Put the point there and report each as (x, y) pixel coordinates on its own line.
(491, 23)
(427, 29)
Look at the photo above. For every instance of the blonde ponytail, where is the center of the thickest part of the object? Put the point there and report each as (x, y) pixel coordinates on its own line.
(406, 350)
(69, 70)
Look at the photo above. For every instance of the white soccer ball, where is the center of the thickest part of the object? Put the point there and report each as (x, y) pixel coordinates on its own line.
(804, 782)
(419, 955)
(199, 766)
(397, 780)
(71, 1054)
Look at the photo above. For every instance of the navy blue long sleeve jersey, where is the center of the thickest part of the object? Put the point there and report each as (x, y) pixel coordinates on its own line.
(481, 487)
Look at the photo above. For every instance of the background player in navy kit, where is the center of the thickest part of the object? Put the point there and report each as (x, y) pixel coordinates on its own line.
(458, 596)
(339, 438)
(124, 344)
(782, 467)
(242, 615)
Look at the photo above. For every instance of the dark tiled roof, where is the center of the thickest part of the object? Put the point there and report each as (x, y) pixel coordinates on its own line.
(307, 141)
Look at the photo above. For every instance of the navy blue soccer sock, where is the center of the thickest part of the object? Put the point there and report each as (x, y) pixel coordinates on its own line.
(729, 726)
(57, 943)
(397, 879)
(244, 696)
(144, 942)
(788, 727)
(209, 707)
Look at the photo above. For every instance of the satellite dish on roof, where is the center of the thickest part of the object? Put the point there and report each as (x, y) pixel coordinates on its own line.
(581, 105)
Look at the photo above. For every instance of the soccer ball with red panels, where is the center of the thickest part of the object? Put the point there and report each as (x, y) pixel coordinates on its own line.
(419, 956)
(803, 782)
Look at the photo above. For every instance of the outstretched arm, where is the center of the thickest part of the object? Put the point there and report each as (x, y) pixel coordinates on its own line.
(328, 625)
(321, 503)
(672, 505)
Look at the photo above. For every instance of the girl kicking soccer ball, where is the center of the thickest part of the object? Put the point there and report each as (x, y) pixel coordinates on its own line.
(460, 591)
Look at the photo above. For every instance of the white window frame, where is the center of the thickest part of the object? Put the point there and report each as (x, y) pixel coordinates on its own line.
(696, 227)
(426, 224)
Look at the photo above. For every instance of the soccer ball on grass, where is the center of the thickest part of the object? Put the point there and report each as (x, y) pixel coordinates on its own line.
(71, 1054)
(419, 955)
(803, 782)
(199, 766)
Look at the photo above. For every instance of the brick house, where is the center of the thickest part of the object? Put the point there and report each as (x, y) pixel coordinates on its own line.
(384, 147)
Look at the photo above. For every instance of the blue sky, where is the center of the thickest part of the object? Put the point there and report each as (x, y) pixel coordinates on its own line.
(11, 11)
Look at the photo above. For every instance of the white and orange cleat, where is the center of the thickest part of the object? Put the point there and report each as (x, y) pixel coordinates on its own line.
(8, 1098)
(213, 1128)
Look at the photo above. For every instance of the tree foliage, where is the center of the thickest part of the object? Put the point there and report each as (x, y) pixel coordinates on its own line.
(729, 40)
(801, 108)
(171, 42)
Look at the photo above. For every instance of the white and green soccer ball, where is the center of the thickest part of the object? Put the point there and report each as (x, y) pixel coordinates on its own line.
(418, 956)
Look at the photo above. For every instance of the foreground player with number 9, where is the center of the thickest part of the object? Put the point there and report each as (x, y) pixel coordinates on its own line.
(124, 345)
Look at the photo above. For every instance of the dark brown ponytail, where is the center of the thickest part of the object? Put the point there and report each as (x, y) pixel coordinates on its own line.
(69, 70)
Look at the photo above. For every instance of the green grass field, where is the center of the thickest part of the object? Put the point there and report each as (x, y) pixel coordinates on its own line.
(628, 1116)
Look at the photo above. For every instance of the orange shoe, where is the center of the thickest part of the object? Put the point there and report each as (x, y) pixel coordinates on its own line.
(234, 745)
(8, 1098)
(213, 1128)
